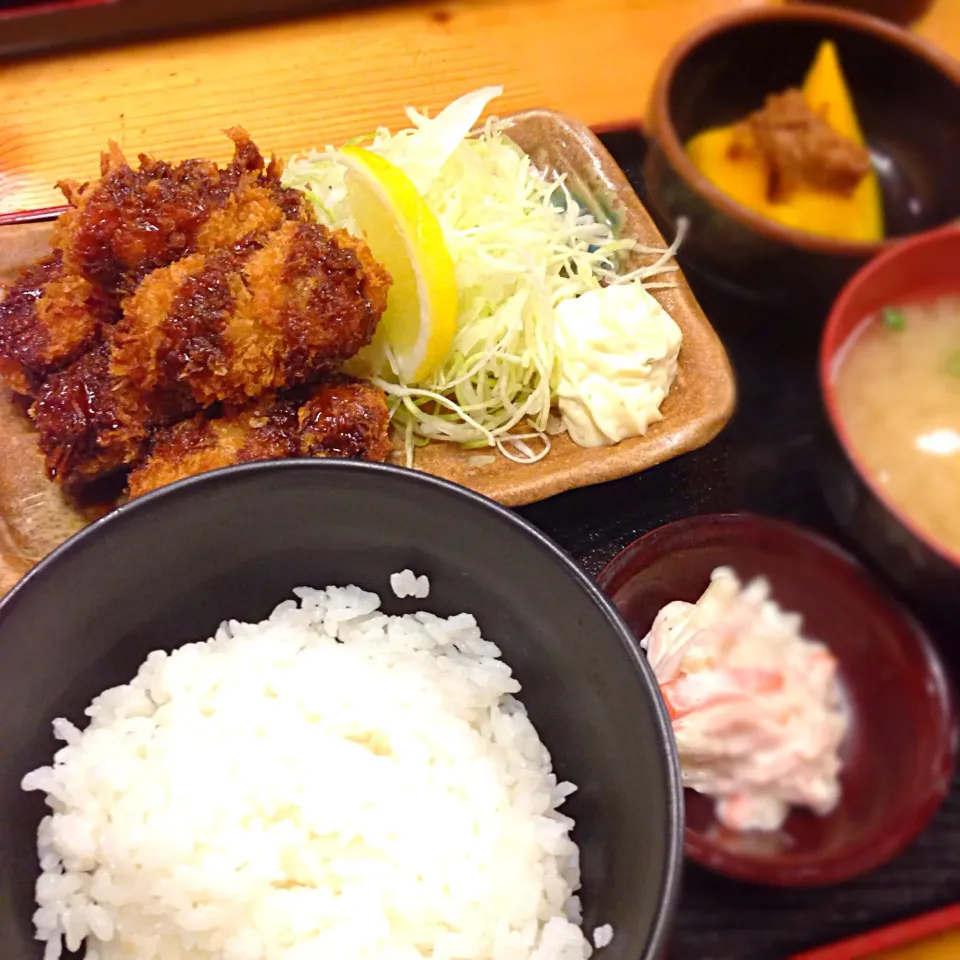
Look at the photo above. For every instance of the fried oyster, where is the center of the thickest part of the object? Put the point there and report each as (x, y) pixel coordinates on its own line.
(191, 316)
(341, 417)
(229, 326)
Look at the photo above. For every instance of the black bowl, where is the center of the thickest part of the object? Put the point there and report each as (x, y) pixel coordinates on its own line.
(907, 95)
(231, 544)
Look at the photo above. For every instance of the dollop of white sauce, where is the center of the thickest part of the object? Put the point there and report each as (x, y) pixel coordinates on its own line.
(618, 357)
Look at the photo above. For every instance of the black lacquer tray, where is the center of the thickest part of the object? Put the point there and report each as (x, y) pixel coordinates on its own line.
(766, 461)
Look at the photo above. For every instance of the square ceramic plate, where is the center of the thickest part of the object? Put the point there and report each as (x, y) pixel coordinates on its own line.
(34, 518)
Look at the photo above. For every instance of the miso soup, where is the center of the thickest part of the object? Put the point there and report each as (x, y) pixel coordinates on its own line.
(897, 388)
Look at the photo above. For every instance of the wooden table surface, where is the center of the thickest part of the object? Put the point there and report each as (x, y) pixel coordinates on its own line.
(309, 82)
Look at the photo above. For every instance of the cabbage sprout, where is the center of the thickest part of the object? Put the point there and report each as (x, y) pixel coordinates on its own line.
(520, 244)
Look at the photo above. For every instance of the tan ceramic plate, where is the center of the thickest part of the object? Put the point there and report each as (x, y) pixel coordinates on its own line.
(34, 518)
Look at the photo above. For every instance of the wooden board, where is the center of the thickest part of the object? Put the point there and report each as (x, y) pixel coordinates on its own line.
(34, 517)
(328, 78)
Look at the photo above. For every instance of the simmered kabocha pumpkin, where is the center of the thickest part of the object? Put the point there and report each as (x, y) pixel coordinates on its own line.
(801, 160)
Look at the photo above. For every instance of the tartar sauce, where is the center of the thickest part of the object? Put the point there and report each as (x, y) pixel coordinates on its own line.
(756, 706)
(618, 359)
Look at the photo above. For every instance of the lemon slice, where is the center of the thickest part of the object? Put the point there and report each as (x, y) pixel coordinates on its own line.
(403, 234)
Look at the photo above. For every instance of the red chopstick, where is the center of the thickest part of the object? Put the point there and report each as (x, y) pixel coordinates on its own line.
(886, 938)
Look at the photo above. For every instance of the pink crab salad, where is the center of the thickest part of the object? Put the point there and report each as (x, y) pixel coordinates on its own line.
(756, 706)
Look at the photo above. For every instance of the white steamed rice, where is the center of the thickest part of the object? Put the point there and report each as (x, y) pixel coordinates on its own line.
(407, 584)
(330, 784)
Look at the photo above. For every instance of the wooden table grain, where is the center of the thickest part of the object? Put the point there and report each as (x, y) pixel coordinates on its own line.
(308, 82)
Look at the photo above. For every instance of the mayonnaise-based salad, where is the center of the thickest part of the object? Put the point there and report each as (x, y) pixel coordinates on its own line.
(522, 249)
(756, 706)
(619, 350)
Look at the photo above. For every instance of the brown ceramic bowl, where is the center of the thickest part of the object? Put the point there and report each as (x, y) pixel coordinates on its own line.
(907, 95)
(899, 11)
(920, 268)
(900, 753)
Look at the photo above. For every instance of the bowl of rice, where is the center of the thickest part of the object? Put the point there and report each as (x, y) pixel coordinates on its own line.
(308, 709)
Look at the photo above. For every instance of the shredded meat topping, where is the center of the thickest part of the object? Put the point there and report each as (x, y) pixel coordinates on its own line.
(798, 147)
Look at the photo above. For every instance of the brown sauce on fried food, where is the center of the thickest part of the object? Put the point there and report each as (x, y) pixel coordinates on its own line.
(133, 221)
(264, 431)
(182, 324)
(228, 327)
(345, 418)
(171, 334)
(799, 147)
(339, 417)
(90, 425)
(47, 319)
(79, 422)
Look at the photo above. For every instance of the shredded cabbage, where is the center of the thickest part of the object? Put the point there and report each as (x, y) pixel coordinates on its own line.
(520, 244)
